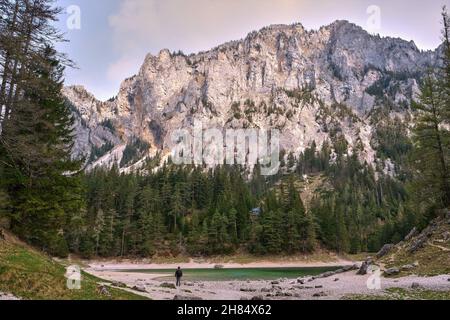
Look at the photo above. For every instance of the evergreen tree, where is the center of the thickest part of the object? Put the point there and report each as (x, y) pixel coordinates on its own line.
(431, 142)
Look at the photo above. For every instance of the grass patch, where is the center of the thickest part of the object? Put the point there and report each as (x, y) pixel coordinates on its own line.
(403, 294)
(433, 259)
(432, 262)
(29, 274)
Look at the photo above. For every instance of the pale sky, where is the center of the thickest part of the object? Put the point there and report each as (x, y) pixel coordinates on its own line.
(115, 35)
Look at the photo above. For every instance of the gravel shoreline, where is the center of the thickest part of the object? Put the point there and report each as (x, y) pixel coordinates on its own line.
(333, 287)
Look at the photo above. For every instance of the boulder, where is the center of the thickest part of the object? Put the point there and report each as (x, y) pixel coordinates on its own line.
(385, 250)
(415, 285)
(283, 294)
(218, 266)
(301, 281)
(168, 285)
(422, 239)
(276, 288)
(446, 236)
(364, 267)
(248, 290)
(418, 244)
(275, 282)
(139, 288)
(257, 298)
(104, 291)
(408, 267)
(319, 294)
(119, 284)
(186, 298)
(392, 271)
(350, 268)
(411, 234)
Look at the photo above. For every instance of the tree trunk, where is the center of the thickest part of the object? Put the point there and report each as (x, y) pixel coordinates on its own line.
(6, 69)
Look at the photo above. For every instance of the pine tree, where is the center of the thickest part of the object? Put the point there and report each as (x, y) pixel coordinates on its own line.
(431, 133)
(271, 232)
(99, 225)
(36, 148)
(431, 142)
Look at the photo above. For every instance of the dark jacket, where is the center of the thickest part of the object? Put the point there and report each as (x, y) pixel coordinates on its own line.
(178, 273)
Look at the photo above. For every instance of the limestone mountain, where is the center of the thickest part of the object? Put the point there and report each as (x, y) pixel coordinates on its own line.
(311, 85)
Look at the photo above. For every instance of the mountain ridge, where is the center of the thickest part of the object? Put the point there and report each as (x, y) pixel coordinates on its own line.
(306, 83)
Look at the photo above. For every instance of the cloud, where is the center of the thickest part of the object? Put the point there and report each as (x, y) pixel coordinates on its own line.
(193, 25)
(123, 68)
(142, 26)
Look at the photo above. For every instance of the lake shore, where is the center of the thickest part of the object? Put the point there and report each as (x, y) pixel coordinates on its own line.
(193, 264)
(338, 286)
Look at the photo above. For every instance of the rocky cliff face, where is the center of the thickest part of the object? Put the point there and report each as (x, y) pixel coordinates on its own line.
(312, 85)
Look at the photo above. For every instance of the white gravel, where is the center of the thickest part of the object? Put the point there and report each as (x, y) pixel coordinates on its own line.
(332, 288)
(7, 296)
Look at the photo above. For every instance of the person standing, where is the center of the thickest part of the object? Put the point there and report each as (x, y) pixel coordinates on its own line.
(178, 276)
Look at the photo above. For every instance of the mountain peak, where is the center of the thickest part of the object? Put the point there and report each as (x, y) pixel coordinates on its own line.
(281, 76)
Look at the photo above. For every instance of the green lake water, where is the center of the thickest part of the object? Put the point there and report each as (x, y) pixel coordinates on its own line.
(237, 274)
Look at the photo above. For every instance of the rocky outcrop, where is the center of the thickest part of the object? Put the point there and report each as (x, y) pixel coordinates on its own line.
(420, 241)
(365, 267)
(311, 85)
(411, 234)
(392, 271)
(385, 250)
